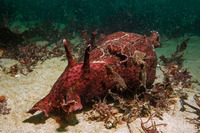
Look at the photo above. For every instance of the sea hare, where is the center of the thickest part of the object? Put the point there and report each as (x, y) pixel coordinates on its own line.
(121, 61)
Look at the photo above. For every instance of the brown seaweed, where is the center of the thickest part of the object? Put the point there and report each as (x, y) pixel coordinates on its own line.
(183, 102)
(180, 48)
(153, 127)
(29, 55)
(157, 99)
(177, 76)
(177, 56)
(195, 121)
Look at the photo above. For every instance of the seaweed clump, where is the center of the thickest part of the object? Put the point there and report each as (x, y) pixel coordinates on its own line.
(31, 54)
(28, 56)
(178, 76)
(15, 45)
(153, 127)
(3, 106)
(152, 102)
(177, 56)
(195, 121)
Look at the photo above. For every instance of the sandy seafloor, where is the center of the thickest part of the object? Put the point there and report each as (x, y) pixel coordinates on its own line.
(24, 91)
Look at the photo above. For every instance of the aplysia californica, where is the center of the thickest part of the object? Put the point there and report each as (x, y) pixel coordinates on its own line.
(120, 61)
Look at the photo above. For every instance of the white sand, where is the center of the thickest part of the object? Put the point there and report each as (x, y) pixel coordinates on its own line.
(24, 91)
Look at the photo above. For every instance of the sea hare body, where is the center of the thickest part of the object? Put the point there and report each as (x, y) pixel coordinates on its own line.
(120, 61)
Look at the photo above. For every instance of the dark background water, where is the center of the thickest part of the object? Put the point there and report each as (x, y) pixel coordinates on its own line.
(169, 17)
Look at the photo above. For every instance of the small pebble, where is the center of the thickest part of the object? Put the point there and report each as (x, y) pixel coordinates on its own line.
(16, 76)
(2, 98)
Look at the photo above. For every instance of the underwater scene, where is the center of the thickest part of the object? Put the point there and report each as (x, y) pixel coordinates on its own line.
(103, 66)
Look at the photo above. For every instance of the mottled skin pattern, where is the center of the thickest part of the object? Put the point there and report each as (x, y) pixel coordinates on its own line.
(122, 60)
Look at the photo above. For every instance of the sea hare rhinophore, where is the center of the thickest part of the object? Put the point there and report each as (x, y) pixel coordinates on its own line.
(119, 61)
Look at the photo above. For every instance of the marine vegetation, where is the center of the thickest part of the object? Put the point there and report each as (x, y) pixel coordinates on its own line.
(28, 56)
(177, 56)
(152, 102)
(153, 127)
(177, 75)
(16, 45)
(195, 121)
